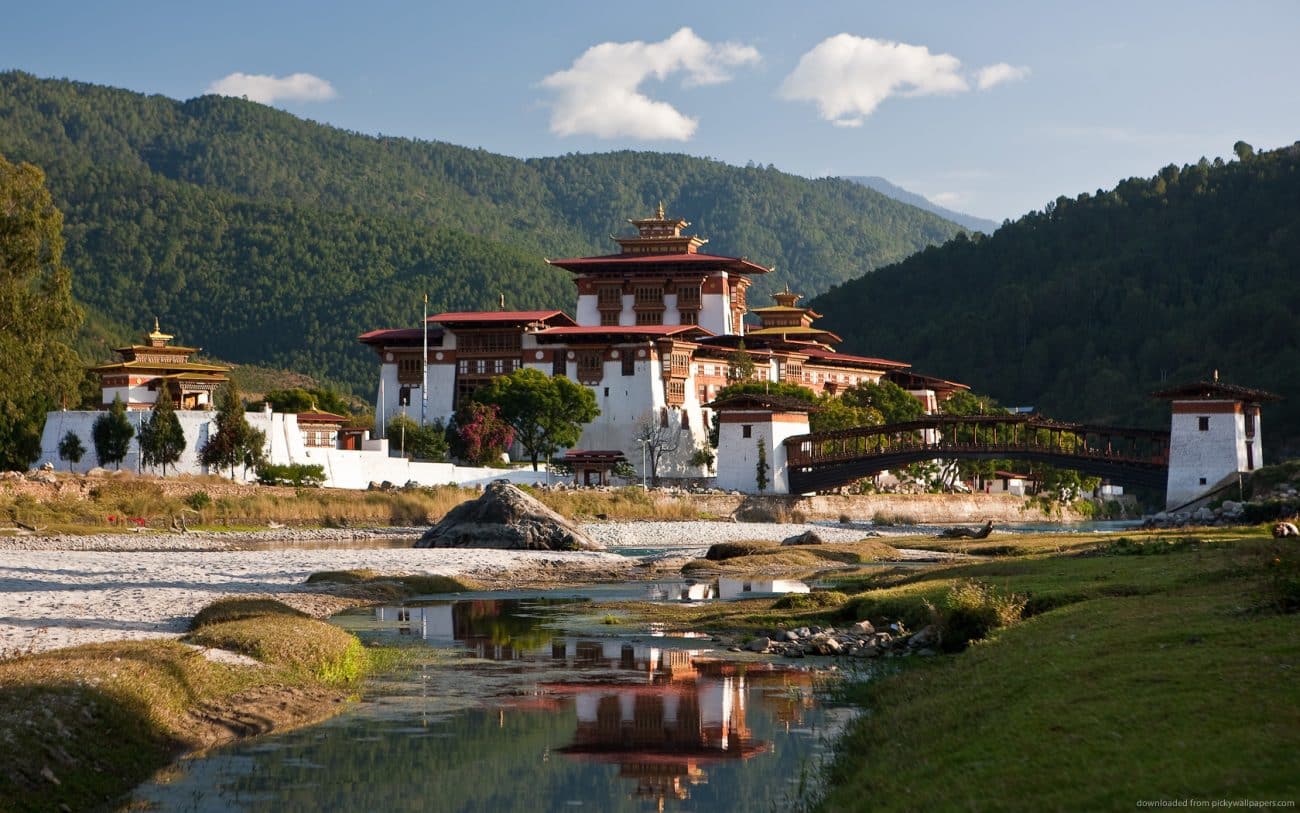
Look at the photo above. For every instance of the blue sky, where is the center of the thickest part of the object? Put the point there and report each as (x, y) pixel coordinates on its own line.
(990, 108)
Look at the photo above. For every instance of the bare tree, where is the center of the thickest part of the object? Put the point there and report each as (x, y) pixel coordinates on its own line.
(658, 437)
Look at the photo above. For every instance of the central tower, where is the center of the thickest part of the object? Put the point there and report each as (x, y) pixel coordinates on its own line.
(660, 277)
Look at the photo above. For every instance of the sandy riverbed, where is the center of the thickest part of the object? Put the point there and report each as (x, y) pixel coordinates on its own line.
(57, 592)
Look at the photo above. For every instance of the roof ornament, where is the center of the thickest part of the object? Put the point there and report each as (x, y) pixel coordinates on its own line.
(501, 301)
(1216, 376)
(660, 212)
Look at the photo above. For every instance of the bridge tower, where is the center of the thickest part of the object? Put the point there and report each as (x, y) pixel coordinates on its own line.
(1214, 436)
(743, 421)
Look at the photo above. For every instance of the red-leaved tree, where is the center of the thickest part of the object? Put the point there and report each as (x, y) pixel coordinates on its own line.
(481, 434)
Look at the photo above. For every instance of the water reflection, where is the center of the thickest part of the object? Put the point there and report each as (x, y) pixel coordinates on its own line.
(544, 716)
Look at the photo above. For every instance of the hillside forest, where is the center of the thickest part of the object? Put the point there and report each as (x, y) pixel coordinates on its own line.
(1081, 310)
(269, 239)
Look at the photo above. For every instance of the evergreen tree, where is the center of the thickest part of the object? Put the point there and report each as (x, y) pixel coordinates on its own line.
(161, 438)
(761, 468)
(38, 370)
(112, 433)
(71, 449)
(226, 448)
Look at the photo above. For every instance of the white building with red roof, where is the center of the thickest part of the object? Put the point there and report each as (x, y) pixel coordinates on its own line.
(657, 326)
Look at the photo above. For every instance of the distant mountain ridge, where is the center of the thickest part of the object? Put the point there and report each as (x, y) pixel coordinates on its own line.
(275, 240)
(1085, 308)
(898, 193)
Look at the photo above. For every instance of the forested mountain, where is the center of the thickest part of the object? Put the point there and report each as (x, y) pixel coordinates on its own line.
(271, 239)
(1084, 308)
(884, 187)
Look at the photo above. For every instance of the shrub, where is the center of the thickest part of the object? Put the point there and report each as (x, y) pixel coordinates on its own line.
(816, 600)
(199, 500)
(972, 610)
(240, 609)
(301, 475)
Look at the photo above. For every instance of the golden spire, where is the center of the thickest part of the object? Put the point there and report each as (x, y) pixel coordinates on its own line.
(660, 212)
(157, 338)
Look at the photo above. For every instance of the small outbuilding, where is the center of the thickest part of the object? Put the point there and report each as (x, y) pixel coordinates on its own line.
(592, 467)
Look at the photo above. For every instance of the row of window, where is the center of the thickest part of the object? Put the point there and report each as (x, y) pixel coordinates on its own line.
(647, 296)
(488, 342)
(487, 366)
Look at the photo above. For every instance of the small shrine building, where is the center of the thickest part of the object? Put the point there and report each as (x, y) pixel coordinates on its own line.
(144, 370)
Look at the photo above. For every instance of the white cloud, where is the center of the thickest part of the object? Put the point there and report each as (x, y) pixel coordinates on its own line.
(992, 75)
(600, 93)
(849, 76)
(945, 198)
(298, 87)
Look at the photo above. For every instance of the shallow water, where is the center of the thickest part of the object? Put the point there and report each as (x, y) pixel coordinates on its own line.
(530, 702)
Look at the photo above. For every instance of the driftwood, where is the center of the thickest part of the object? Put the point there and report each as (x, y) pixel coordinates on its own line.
(967, 533)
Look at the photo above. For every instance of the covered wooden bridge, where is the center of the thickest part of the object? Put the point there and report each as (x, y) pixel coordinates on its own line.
(826, 460)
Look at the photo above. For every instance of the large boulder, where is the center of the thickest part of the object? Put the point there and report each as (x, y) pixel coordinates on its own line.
(505, 517)
(805, 538)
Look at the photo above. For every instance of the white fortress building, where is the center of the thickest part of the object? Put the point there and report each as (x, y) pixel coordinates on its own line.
(657, 326)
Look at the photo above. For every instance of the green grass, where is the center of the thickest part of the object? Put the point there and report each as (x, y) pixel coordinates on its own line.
(1139, 677)
(382, 587)
(81, 726)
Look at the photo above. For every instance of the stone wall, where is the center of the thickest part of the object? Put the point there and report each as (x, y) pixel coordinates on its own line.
(920, 508)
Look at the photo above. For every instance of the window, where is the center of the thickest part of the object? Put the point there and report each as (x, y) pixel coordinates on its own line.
(487, 342)
(480, 366)
(609, 318)
(629, 363)
(689, 317)
(1202, 481)
(498, 366)
(649, 297)
(688, 297)
(559, 366)
(591, 366)
(746, 430)
(609, 296)
(676, 392)
(1203, 424)
(1250, 455)
(663, 417)
(649, 317)
(462, 366)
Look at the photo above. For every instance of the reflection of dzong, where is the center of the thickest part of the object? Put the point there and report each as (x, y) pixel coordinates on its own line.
(494, 629)
(660, 734)
(742, 588)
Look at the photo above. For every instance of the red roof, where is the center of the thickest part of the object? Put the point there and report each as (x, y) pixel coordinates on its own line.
(398, 334)
(321, 417)
(829, 355)
(512, 317)
(623, 330)
(739, 264)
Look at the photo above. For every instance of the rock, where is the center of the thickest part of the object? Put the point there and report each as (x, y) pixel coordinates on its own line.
(722, 551)
(790, 635)
(862, 628)
(967, 533)
(1231, 508)
(868, 651)
(374, 486)
(98, 471)
(505, 517)
(803, 632)
(925, 637)
(1203, 515)
(759, 645)
(830, 647)
(47, 466)
(1285, 529)
(805, 538)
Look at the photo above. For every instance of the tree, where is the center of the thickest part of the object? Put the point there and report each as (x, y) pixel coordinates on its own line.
(252, 452)
(427, 442)
(740, 365)
(658, 440)
(546, 412)
(38, 370)
(1244, 151)
(161, 438)
(894, 403)
(70, 449)
(112, 433)
(481, 434)
(761, 468)
(227, 447)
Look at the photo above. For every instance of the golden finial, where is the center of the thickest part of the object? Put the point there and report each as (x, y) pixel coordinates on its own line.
(156, 329)
(660, 213)
(501, 301)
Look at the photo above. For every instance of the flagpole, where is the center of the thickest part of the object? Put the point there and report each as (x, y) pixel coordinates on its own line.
(424, 363)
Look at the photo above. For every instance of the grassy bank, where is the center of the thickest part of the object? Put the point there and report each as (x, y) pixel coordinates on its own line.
(79, 727)
(1151, 667)
(125, 502)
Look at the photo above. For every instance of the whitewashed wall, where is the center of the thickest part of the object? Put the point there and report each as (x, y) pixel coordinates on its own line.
(1214, 455)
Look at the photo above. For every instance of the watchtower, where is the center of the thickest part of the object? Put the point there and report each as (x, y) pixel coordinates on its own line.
(1214, 436)
(745, 421)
